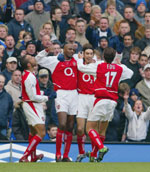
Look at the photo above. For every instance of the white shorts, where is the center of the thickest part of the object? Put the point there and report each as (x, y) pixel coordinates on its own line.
(103, 110)
(34, 113)
(85, 105)
(67, 101)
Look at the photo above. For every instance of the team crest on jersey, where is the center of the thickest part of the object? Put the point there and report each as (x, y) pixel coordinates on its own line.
(58, 106)
(43, 119)
(74, 63)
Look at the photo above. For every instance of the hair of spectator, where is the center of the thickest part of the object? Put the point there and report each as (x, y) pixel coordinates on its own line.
(27, 33)
(111, 2)
(3, 76)
(128, 34)
(147, 26)
(70, 29)
(20, 9)
(87, 3)
(109, 54)
(136, 49)
(123, 87)
(95, 7)
(128, 6)
(51, 126)
(143, 55)
(4, 26)
(52, 12)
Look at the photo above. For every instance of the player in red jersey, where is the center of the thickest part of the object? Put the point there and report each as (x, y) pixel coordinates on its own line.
(64, 76)
(32, 99)
(86, 99)
(108, 75)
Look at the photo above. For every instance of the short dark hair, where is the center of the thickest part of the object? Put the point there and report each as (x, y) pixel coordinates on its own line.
(109, 54)
(128, 34)
(24, 61)
(87, 46)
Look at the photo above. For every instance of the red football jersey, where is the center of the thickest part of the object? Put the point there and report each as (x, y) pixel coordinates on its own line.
(106, 84)
(64, 75)
(85, 83)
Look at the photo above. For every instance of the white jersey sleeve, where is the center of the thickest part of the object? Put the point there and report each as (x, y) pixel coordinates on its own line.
(49, 62)
(30, 86)
(90, 69)
(127, 73)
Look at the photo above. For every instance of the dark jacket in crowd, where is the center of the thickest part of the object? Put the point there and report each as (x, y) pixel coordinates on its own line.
(6, 109)
(14, 27)
(7, 75)
(19, 124)
(116, 42)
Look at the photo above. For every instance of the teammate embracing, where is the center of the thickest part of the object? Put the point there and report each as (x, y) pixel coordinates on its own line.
(108, 75)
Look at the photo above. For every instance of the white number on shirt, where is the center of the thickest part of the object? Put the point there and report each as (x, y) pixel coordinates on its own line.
(109, 81)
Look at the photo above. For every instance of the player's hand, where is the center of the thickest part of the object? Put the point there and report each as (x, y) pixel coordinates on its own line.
(60, 57)
(53, 95)
(80, 55)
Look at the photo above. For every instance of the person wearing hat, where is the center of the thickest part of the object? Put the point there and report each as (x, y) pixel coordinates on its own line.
(144, 86)
(46, 85)
(37, 17)
(11, 66)
(141, 6)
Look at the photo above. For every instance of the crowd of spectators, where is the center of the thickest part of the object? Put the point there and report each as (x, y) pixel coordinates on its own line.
(30, 26)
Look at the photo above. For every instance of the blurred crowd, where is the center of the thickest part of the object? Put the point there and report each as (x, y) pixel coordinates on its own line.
(30, 26)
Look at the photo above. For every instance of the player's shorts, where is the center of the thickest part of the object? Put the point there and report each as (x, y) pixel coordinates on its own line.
(67, 101)
(103, 110)
(34, 113)
(85, 105)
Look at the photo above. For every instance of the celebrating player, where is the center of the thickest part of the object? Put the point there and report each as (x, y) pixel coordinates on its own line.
(32, 99)
(64, 76)
(108, 75)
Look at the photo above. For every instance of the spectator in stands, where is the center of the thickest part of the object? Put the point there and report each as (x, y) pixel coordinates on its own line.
(77, 6)
(46, 85)
(71, 38)
(11, 66)
(47, 29)
(138, 120)
(3, 34)
(140, 11)
(52, 131)
(103, 43)
(6, 109)
(144, 86)
(21, 44)
(44, 43)
(80, 31)
(143, 60)
(17, 24)
(13, 87)
(66, 13)
(145, 41)
(85, 14)
(119, 6)
(56, 18)
(102, 29)
(56, 48)
(20, 127)
(112, 14)
(1, 56)
(30, 49)
(116, 41)
(129, 16)
(10, 50)
(128, 44)
(140, 32)
(133, 64)
(28, 6)
(37, 17)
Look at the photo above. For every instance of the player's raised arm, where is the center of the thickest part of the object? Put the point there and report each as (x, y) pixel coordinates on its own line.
(49, 62)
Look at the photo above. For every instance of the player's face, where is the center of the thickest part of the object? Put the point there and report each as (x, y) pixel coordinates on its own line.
(68, 51)
(138, 107)
(32, 61)
(88, 56)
